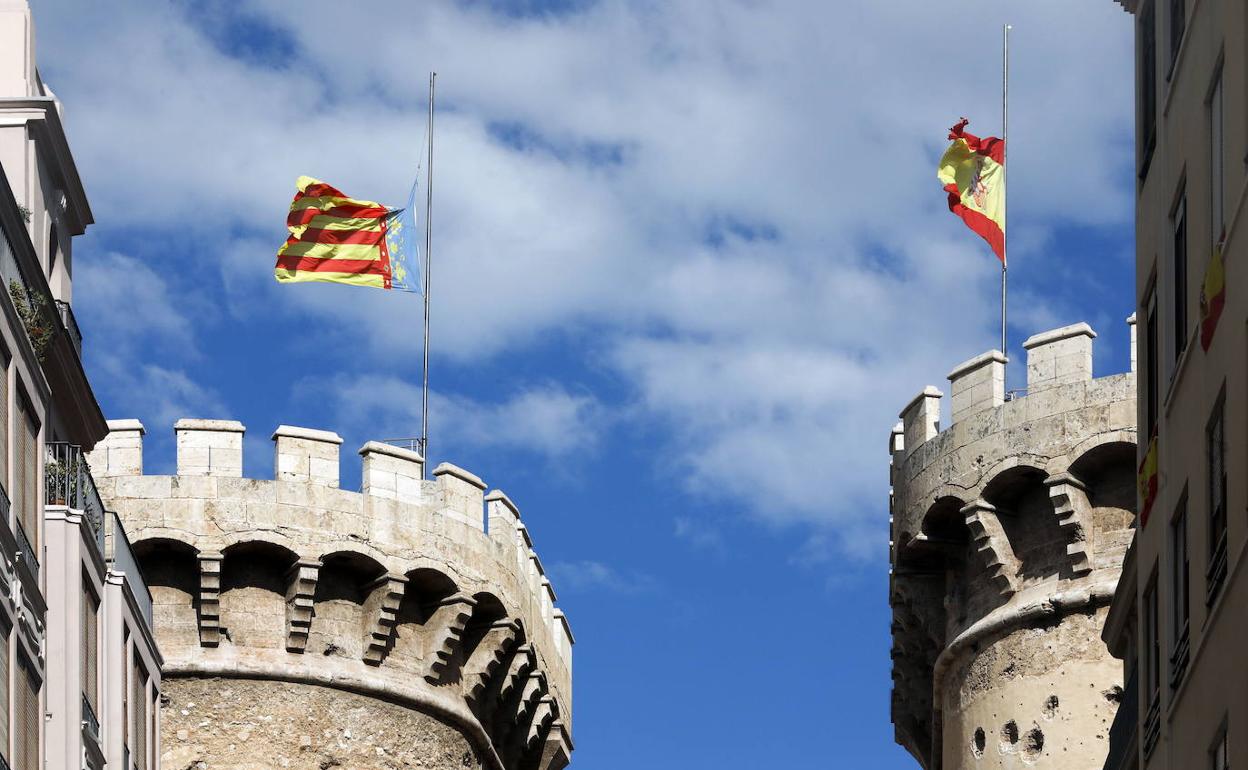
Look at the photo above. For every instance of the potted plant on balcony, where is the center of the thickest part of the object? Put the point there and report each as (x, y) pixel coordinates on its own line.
(33, 310)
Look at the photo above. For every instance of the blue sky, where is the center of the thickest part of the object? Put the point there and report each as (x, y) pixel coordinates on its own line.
(691, 260)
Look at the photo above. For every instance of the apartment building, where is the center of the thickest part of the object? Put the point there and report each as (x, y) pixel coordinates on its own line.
(79, 670)
(1180, 614)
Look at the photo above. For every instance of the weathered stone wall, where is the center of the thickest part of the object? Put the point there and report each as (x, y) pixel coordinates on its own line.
(244, 724)
(1009, 527)
(400, 593)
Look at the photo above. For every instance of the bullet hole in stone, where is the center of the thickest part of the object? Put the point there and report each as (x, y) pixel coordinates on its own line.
(1113, 694)
(978, 742)
(1009, 735)
(1050, 706)
(1034, 743)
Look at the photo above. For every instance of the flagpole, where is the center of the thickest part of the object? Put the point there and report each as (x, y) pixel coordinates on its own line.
(424, 395)
(1005, 170)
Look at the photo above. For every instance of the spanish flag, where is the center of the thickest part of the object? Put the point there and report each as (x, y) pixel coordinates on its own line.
(973, 173)
(1146, 481)
(337, 239)
(1212, 295)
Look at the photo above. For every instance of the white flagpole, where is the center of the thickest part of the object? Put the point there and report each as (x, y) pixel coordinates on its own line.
(424, 397)
(1005, 170)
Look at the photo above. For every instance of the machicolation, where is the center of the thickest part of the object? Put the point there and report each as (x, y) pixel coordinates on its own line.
(1008, 531)
(306, 626)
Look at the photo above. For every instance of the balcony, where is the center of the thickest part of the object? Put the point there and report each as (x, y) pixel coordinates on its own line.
(120, 558)
(1122, 744)
(71, 325)
(1179, 658)
(68, 482)
(1216, 574)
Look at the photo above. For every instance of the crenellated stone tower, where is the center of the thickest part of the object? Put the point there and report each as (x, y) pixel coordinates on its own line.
(1008, 530)
(304, 626)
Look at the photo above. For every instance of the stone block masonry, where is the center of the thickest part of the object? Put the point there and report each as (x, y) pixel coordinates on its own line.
(341, 623)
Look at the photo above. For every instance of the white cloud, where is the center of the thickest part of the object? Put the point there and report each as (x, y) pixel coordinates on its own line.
(732, 204)
(594, 577)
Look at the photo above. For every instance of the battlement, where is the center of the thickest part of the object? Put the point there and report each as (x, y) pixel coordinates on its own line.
(1015, 514)
(441, 578)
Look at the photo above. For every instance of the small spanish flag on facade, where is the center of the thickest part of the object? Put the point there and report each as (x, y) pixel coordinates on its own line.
(1146, 481)
(337, 239)
(973, 173)
(1212, 295)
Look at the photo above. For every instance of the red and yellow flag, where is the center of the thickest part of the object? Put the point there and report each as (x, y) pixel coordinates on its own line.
(973, 173)
(336, 239)
(1212, 295)
(1146, 481)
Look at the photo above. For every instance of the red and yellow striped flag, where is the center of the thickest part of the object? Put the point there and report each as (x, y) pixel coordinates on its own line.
(1212, 295)
(973, 173)
(1146, 481)
(338, 239)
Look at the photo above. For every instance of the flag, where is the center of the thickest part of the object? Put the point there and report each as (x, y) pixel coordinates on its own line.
(338, 239)
(973, 173)
(1146, 481)
(1212, 295)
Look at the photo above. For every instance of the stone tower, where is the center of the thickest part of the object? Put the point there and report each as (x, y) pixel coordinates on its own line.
(1008, 529)
(304, 626)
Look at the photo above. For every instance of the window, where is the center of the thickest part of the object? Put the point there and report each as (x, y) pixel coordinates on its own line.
(1217, 755)
(4, 422)
(1216, 457)
(90, 649)
(1180, 608)
(1217, 167)
(26, 486)
(29, 718)
(1151, 362)
(5, 710)
(138, 700)
(1178, 21)
(1147, 67)
(1178, 265)
(1152, 667)
(125, 697)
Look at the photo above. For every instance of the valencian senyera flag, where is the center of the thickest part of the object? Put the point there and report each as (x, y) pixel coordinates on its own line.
(1212, 295)
(338, 239)
(973, 173)
(1146, 481)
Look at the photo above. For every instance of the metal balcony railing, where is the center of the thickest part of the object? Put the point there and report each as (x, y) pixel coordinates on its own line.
(120, 558)
(410, 444)
(71, 324)
(25, 550)
(1122, 744)
(1216, 574)
(90, 724)
(68, 482)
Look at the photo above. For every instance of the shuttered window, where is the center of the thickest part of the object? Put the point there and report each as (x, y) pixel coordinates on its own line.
(138, 701)
(90, 648)
(26, 497)
(29, 719)
(125, 697)
(4, 424)
(5, 710)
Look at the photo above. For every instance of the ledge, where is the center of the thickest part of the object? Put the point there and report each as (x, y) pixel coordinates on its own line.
(312, 434)
(219, 426)
(446, 469)
(929, 392)
(976, 362)
(498, 496)
(1054, 335)
(390, 450)
(130, 424)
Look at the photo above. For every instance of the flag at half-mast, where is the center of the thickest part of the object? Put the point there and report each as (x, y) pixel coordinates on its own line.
(973, 173)
(337, 239)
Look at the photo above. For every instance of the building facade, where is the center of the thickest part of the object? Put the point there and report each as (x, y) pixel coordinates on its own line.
(409, 624)
(1181, 614)
(75, 616)
(1009, 527)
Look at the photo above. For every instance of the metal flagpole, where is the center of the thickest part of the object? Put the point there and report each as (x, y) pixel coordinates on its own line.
(424, 398)
(1005, 171)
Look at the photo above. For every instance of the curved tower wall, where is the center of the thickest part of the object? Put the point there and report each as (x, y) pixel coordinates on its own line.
(1008, 530)
(306, 626)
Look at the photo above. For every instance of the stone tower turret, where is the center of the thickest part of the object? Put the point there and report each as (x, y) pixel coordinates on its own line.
(409, 624)
(1008, 532)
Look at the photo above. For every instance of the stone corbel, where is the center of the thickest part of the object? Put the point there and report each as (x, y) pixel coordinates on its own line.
(300, 590)
(557, 750)
(993, 545)
(522, 663)
(1073, 511)
(210, 598)
(543, 718)
(446, 626)
(384, 595)
(487, 659)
